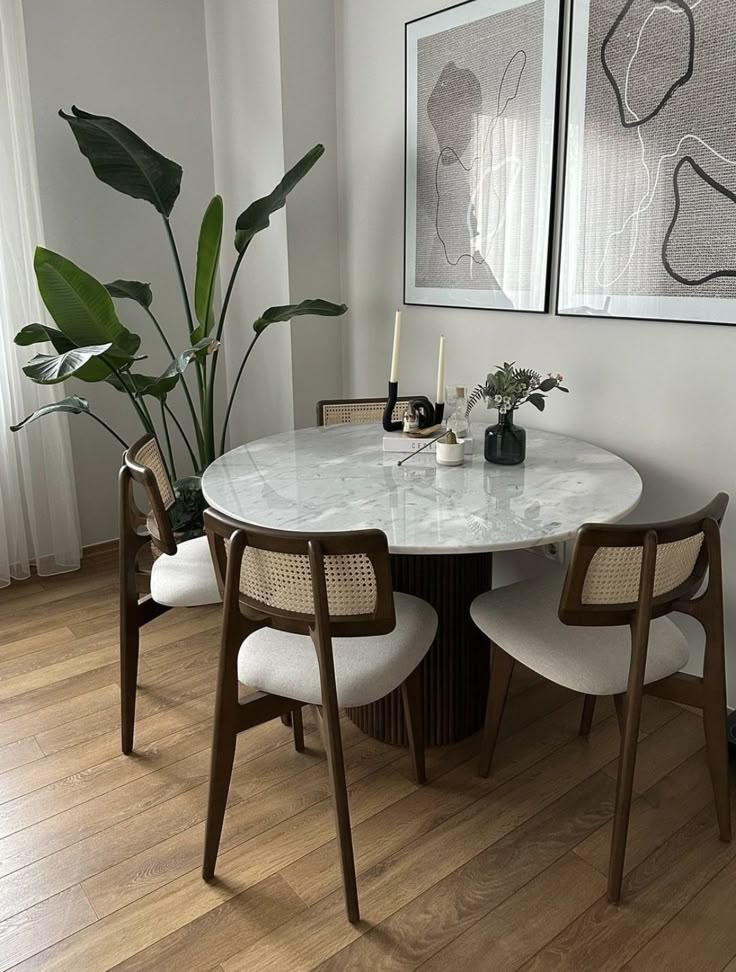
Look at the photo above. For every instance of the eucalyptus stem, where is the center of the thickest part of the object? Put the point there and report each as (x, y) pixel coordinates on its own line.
(109, 429)
(168, 440)
(209, 410)
(185, 387)
(195, 465)
(235, 388)
(187, 302)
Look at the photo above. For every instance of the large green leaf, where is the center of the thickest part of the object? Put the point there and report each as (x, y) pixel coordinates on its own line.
(80, 305)
(145, 384)
(258, 215)
(208, 256)
(196, 353)
(94, 370)
(131, 290)
(48, 369)
(124, 161)
(72, 404)
(285, 312)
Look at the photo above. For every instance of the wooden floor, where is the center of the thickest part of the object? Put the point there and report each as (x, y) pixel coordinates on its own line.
(100, 853)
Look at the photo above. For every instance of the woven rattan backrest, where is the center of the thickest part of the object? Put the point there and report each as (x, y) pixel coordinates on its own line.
(614, 574)
(146, 453)
(357, 411)
(143, 464)
(279, 575)
(604, 579)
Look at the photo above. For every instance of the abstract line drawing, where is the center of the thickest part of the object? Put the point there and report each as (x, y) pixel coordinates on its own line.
(481, 107)
(650, 105)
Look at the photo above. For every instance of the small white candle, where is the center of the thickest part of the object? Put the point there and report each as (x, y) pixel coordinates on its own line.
(441, 372)
(397, 341)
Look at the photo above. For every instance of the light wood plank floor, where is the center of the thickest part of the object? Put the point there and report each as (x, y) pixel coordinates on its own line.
(100, 853)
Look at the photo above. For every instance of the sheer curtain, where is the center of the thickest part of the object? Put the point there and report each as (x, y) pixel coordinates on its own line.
(39, 521)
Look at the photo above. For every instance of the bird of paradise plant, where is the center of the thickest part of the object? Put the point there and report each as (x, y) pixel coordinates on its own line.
(89, 341)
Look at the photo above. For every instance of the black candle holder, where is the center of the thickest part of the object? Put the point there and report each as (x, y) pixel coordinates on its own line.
(388, 424)
(426, 411)
(439, 412)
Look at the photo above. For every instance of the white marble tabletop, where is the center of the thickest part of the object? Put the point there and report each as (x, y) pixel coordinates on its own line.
(339, 478)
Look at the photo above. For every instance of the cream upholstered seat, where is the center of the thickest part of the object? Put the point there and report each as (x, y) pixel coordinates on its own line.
(522, 619)
(186, 578)
(366, 668)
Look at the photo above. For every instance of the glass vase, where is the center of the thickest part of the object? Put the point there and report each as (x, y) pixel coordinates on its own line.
(505, 443)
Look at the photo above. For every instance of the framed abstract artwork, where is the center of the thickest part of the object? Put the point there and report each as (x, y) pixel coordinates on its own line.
(482, 82)
(649, 208)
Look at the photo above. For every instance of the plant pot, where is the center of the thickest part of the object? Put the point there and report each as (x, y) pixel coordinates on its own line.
(505, 443)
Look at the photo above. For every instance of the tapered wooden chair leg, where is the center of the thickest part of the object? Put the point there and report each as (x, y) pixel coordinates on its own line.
(221, 768)
(586, 720)
(502, 668)
(297, 725)
(716, 747)
(336, 763)
(129, 650)
(412, 697)
(619, 702)
(624, 790)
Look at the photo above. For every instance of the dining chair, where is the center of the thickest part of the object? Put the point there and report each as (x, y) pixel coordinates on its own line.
(358, 411)
(181, 574)
(310, 620)
(570, 628)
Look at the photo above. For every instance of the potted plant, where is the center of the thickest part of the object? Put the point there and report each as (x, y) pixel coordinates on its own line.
(506, 389)
(91, 343)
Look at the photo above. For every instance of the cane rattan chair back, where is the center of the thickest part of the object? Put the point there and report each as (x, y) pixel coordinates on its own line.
(605, 579)
(293, 579)
(358, 411)
(143, 464)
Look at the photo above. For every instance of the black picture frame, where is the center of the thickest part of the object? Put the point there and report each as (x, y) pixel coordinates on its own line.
(553, 173)
(563, 191)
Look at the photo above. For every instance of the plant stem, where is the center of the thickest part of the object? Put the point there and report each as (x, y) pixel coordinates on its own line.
(145, 420)
(235, 388)
(195, 465)
(185, 297)
(109, 429)
(168, 440)
(185, 387)
(209, 410)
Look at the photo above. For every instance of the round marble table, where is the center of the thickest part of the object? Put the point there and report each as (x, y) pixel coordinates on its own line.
(443, 525)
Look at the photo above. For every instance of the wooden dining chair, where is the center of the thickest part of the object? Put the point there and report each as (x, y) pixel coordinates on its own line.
(574, 633)
(358, 411)
(181, 574)
(310, 619)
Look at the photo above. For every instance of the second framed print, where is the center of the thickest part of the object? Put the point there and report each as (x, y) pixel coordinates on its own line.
(649, 211)
(482, 81)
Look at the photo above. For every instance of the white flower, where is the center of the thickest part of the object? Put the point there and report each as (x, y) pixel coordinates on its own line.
(506, 400)
(497, 399)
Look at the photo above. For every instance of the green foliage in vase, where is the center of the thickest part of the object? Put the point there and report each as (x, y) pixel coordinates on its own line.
(509, 387)
(90, 342)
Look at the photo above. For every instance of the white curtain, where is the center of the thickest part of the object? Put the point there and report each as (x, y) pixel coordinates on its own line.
(39, 522)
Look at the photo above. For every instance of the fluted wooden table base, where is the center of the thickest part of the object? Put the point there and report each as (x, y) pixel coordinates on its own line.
(456, 666)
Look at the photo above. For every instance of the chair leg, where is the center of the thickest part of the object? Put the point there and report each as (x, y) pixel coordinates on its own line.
(716, 747)
(341, 806)
(297, 725)
(286, 719)
(129, 650)
(586, 721)
(502, 667)
(221, 768)
(619, 702)
(624, 790)
(412, 697)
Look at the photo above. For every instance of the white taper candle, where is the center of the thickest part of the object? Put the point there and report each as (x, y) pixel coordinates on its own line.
(397, 342)
(440, 397)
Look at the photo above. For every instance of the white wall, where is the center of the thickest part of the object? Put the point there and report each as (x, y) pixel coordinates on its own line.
(146, 64)
(658, 394)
